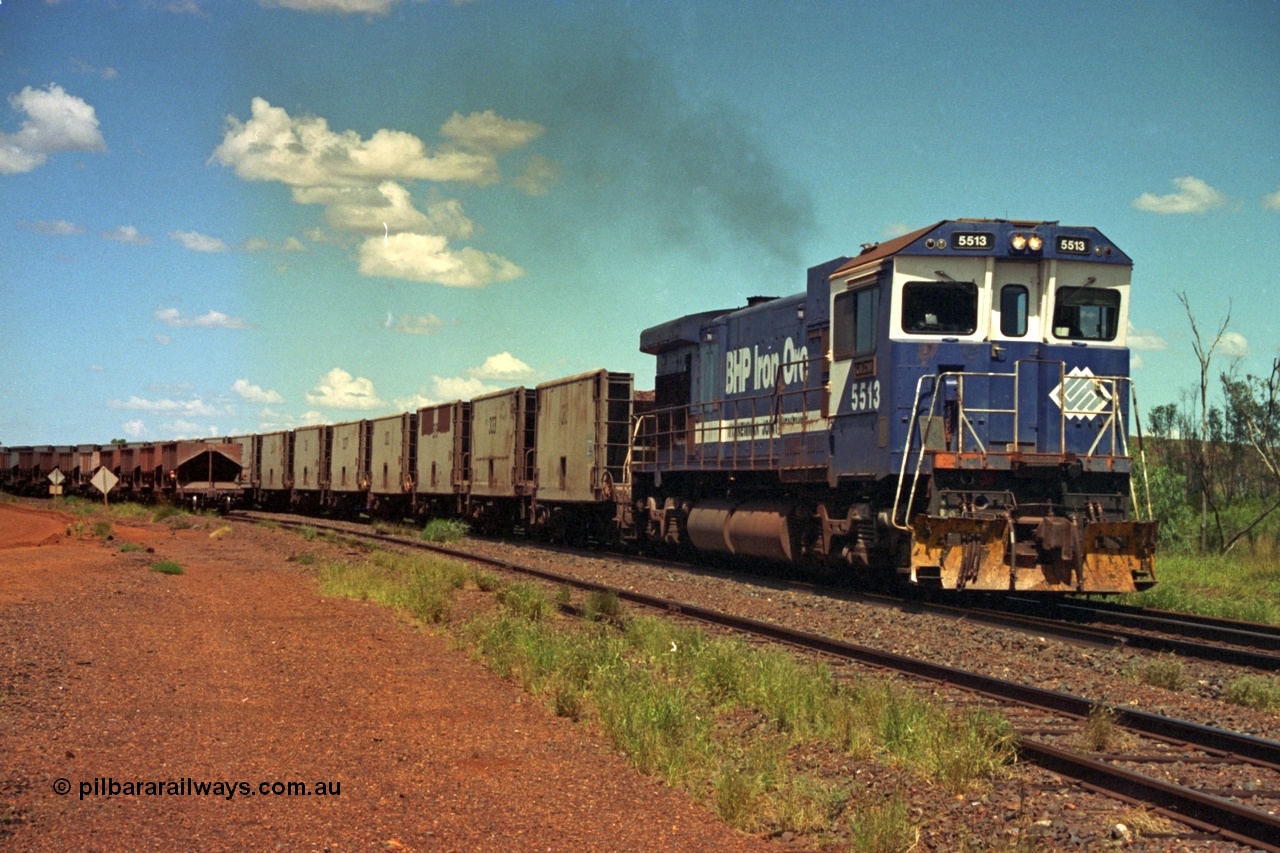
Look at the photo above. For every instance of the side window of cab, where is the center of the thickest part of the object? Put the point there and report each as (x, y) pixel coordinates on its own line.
(854, 321)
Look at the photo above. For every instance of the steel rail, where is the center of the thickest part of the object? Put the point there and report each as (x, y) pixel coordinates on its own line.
(1068, 627)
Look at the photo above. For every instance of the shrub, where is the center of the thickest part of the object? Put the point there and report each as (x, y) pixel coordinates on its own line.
(1164, 671)
(526, 599)
(1099, 729)
(421, 586)
(167, 567)
(486, 581)
(882, 828)
(1254, 691)
(602, 604)
(445, 530)
(166, 511)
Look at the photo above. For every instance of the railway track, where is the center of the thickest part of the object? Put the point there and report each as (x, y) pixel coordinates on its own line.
(1049, 714)
(1239, 644)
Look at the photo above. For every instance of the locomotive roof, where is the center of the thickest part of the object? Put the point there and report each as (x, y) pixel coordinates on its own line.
(674, 333)
(875, 252)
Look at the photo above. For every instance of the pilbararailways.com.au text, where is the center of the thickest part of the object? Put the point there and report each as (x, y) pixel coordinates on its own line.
(106, 786)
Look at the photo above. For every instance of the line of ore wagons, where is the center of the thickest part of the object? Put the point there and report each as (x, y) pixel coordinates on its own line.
(554, 456)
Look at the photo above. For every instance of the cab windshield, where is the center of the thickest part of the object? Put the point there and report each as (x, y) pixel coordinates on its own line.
(1086, 313)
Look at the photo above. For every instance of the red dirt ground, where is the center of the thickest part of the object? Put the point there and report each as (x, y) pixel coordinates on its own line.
(237, 671)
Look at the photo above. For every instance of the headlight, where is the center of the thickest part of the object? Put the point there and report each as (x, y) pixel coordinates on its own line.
(1035, 243)
(1018, 242)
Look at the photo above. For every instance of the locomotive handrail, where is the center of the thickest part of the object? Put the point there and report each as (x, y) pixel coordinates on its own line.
(1111, 426)
(701, 437)
(1142, 455)
(906, 452)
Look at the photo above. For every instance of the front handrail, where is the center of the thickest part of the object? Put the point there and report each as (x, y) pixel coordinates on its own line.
(1107, 388)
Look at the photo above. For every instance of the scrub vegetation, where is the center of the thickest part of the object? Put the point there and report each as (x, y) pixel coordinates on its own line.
(747, 729)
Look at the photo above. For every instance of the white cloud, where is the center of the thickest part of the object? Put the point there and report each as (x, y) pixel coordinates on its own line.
(420, 324)
(57, 227)
(254, 393)
(1145, 340)
(489, 132)
(194, 408)
(304, 152)
(107, 73)
(385, 209)
(1193, 196)
(1136, 362)
(1272, 201)
(340, 390)
(187, 429)
(197, 242)
(501, 366)
(428, 258)
(127, 234)
(413, 402)
(1233, 344)
(55, 122)
(345, 7)
(183, 7)
(134, 429)
(209, 320)
(262, 244)
(458, 388)
(362, 185)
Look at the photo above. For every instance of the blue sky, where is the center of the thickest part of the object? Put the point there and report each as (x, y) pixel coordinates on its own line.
(224, 216)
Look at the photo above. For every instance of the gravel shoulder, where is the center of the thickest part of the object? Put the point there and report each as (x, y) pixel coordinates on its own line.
(237, 671)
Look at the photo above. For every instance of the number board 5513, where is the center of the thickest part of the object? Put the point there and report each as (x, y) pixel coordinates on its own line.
(975, 240)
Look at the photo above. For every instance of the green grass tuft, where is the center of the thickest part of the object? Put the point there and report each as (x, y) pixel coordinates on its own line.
(167, 567)
(1254, 691)
(602, 605)
(444, 530)
(526, 599)
(421, 586)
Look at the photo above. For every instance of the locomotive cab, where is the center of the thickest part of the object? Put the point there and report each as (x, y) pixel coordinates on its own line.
(952, 404)
(1008, 405)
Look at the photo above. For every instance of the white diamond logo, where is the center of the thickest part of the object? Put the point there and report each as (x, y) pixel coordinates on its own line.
(1085, 395)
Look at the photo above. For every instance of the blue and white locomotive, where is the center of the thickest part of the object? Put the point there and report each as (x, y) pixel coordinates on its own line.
(953, 403)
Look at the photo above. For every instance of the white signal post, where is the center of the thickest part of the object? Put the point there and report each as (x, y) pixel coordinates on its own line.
(56, 477)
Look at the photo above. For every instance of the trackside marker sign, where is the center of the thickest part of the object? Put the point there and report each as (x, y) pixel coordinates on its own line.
(104, 481)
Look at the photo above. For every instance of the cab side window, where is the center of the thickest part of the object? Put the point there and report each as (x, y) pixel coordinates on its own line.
(940, 307)
(854, 322)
